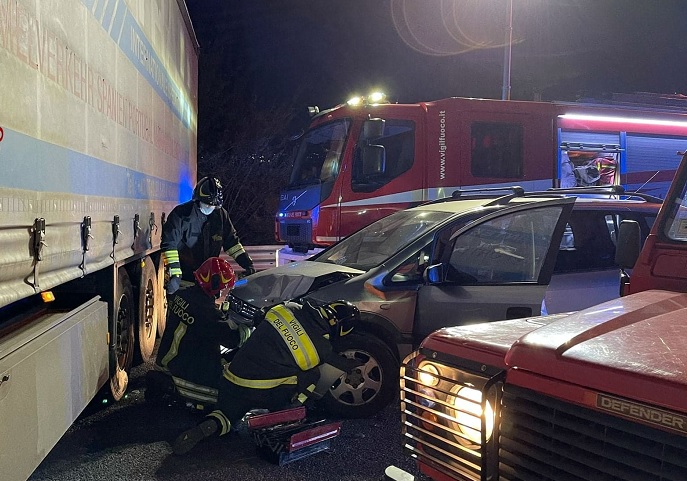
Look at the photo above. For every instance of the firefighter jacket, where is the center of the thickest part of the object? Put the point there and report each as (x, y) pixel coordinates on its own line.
(190, 346)
(292, 339)
(189, 238)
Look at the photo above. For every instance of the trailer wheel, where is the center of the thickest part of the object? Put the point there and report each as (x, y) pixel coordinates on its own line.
(161, 298)
(124, 337)
(367, 389)
(148, 293)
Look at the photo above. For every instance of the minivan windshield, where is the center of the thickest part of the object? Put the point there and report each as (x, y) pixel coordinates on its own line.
(374, 244)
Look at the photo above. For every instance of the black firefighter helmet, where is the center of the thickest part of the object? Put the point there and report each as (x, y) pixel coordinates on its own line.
(208, 190)
(342, 316)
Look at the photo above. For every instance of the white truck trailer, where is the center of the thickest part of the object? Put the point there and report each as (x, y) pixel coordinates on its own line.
(98, 121)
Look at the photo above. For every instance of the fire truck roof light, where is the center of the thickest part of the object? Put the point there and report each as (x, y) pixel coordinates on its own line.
(376, 97)
(631, 120)
(355, 101)
(373, 98)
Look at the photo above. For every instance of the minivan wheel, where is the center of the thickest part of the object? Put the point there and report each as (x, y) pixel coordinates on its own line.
(369, 388)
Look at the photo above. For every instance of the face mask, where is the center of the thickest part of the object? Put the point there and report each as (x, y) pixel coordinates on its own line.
(206, 209)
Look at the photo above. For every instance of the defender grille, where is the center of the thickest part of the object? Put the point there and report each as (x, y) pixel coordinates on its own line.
(441, 427)
(545, 439)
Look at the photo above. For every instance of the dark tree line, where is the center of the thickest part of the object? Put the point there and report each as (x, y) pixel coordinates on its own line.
(242, 139)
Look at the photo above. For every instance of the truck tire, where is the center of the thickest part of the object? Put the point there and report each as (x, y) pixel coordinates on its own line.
(161, 298)
(148, 304)
(123, 354)
(368, 389)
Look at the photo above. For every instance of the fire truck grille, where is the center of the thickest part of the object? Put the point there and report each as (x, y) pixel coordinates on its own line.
(545, 439)
(297, 232)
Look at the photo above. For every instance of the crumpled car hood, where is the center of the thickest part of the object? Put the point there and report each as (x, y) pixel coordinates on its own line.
(272, 286)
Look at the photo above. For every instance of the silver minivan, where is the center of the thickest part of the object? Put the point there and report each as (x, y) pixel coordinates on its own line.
(455, 261)
(450, 262)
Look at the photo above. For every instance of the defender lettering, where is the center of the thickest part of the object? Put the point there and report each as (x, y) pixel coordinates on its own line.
(641, 412)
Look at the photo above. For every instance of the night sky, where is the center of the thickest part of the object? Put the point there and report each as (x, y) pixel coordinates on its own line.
(262, 62)
(320, 52)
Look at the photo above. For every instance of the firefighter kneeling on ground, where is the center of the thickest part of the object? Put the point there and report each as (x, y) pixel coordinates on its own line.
(277, 367)
(189, 361)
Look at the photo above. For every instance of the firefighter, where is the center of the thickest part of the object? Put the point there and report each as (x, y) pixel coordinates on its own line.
(277, 367)
(197, 230)
(189, 361)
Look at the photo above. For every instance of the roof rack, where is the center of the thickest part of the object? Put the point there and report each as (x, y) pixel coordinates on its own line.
(615, 190)
(515, 189)
(482, 193)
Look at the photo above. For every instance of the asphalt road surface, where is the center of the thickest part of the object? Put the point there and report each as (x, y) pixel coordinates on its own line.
(130, 440)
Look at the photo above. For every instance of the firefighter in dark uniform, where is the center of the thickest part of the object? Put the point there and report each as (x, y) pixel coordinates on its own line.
(189, 354)
(197, 230)
(277, 367)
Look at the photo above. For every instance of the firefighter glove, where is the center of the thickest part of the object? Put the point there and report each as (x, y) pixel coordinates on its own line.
(173, 285)
(246, 263)
(351, 364)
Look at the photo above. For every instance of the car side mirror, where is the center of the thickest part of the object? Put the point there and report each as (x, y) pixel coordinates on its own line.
(435, 274)
(629, 244)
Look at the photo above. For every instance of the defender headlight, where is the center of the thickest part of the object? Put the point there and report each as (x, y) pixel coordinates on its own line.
(468, 415)
(428, 374)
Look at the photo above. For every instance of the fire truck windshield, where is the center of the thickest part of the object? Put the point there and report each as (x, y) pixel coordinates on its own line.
(319, 155)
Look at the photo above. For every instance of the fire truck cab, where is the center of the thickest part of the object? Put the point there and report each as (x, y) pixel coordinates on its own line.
(365, 159)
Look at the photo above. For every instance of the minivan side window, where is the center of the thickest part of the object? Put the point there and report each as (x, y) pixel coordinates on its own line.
(510, 248)
(497, 150)
(589, 240)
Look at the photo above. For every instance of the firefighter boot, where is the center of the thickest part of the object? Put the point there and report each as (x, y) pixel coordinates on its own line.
(188, 439)
(159, 387)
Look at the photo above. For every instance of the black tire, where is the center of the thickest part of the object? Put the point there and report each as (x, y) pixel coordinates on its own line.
(148, 305)
(161, 298)
(125, 340)
(368, 389)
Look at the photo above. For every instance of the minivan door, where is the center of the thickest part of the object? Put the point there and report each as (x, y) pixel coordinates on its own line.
(493, 269)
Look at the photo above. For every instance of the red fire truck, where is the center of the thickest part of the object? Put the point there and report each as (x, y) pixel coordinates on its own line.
(365, 159)
(593, 395)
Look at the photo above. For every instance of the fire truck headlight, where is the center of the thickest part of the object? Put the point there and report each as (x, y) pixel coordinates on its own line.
(428, 374)
(468, 415)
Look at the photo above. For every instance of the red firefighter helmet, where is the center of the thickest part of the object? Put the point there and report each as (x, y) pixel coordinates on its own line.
(215, 275)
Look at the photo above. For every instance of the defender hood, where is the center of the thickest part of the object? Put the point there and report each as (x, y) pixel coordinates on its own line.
(272, 286)
(634, 346)
(487, 343)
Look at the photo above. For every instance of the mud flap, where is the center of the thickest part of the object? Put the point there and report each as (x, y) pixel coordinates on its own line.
(286, 436)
